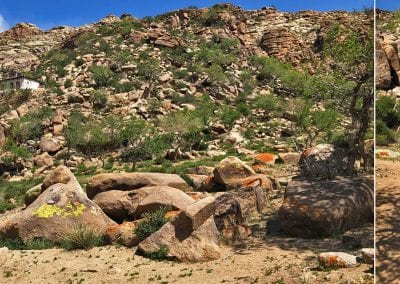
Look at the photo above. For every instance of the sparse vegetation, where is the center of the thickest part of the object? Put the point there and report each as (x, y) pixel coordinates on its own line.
(81, 237)
(152, 223)
(14, 191)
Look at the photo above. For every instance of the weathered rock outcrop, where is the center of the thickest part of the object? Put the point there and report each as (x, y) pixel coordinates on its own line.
(130, 181)
(325, 161)
(54, 213)
(120, 205)
(315, 208)
(200, 246)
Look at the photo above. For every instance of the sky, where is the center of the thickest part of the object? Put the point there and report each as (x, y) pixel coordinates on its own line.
(50, 13)
(388, 4)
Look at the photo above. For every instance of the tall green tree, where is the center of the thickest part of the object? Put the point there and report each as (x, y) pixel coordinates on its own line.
(350, 56)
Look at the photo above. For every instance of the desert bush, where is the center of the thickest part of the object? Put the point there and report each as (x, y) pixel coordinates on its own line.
(147, 148)
(182, 124)
(229, 115)
(12, 243)
(384, 135)
(15, 190)
(102, 75)
(98, 99)
(222, 53)
(178, 56)
(134, 130)
(388, 111)
(29, 127)
(68, 83)
(39, 244)
(81, 237)
(148, 68)
(316, 123)
(215, 74)
(152, 223)
(124, 87)
(105, 47)
(59, 58)
(160, 254)
(392, 25)
(183, 99)
(211, 17)
(271, 105)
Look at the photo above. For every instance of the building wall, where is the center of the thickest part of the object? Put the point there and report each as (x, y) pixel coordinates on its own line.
(29, 84)
(20, 83)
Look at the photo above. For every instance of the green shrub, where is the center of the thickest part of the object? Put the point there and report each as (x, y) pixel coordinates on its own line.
(392, 25)
(148, 68)
(211, 17)
(181, 74)
(12, 243)
(29, 127)
(269, 103)
(222, 53)
(243, 109)
(39, 244)
(19, 244)
(147, 148)
(384, 135)
(152, 223)
(81, 237)
(388, 112)
(59, 58)
(68, 83)
(229, 115)
(215, 74)
(15, 190)
(160, 254)
(183, 99)
(103, 76)
(98, 99)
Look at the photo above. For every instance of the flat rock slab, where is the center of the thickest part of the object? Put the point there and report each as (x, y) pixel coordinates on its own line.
(130, 181)
(317, 208)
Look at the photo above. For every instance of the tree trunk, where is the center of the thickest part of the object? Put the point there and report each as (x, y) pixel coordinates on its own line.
(359, 127)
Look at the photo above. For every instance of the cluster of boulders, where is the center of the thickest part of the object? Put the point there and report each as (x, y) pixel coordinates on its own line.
(114, 204)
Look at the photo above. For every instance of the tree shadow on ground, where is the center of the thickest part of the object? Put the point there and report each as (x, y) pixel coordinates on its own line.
(388, 234)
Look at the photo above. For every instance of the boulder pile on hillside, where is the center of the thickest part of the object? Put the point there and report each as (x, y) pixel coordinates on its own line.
(115, 205)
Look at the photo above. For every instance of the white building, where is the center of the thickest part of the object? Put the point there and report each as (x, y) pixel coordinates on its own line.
(17, 81)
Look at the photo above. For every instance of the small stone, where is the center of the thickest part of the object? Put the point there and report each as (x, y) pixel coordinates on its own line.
(368, 255)
(337, 260)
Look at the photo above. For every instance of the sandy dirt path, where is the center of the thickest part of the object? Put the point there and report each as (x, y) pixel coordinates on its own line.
(277, 260)
(388, 221)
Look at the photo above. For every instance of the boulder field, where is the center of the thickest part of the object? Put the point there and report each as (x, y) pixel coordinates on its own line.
(115, 205)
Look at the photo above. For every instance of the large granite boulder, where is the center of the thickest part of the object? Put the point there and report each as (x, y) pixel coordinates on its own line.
(230, 170)
(59, 209)
(316, 207)
(62, 175)
(324, 160)
(130, 181)
(199, 246)
(120, 205)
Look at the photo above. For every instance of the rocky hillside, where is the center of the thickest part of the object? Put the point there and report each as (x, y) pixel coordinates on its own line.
(193, 136)
(388, 76)
(201, 82)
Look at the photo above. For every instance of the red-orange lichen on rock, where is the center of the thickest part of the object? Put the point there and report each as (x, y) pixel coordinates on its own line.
(172, 214)
(265, 158)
